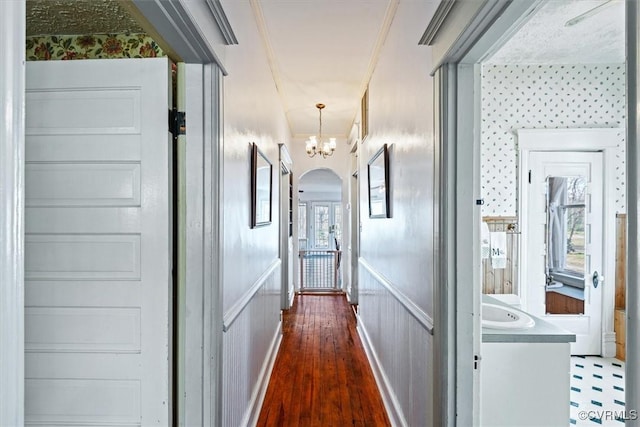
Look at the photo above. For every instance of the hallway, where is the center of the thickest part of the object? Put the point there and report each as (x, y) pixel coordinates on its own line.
(321, 376)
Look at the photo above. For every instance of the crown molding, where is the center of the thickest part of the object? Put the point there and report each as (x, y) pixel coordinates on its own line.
(436, 22)
(223, 23)
(190, 38)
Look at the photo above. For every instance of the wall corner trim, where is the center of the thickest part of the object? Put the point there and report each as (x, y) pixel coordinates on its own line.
(12, 215)
(221, 19)
(436, 22)
(608, 344)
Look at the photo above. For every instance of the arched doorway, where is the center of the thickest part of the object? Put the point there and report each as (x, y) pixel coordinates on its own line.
(320, 229)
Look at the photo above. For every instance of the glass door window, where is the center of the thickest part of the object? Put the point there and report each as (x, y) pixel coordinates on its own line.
(302, 226)
(337, 222)
(321, 226)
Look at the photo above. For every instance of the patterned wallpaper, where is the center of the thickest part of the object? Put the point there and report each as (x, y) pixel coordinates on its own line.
(543, 97)
(45, 48)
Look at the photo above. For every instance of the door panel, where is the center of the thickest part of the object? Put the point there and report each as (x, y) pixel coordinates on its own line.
(565, 239)
(97, 243)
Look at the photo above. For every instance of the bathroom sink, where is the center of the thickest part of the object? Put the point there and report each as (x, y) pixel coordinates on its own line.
(500, 317)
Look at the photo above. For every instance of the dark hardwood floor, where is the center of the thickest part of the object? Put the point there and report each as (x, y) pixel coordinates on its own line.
(321, 376)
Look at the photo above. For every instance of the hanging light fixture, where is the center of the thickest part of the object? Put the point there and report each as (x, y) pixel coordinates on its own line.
(318, 146)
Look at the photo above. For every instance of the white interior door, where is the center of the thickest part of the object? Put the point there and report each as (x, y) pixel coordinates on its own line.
(564, 238)
(97, 244)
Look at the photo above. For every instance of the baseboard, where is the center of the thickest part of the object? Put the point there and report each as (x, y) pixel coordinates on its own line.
(257, 398)
(391, 404)
(609, 344)
(292, 296)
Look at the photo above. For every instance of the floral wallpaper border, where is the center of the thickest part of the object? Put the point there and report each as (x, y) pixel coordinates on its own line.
(96, 46)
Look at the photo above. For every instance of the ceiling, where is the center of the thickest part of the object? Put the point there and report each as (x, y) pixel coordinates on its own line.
(77, 17)
(546, 39)
(322, 52)
(326, 50)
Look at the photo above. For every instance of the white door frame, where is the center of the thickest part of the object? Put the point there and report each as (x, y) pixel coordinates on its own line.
(478, 35)
(197, 32)
(632, 375)
(470, 32)
(584, 139)
(12, 140)
(182, 25)
(286, 241)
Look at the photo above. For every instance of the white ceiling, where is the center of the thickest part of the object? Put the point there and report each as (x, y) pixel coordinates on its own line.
(545, 39)
(322, 51)
(326, 50)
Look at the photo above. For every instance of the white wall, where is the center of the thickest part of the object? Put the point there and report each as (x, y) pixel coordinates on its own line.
(544, 97)
(251, 265)
(396, 256)
(320, 196)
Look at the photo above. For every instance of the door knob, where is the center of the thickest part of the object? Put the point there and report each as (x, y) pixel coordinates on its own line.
(596, 279)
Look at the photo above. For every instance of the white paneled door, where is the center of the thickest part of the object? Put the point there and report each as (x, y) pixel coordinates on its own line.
(97, 244)
(565, 244)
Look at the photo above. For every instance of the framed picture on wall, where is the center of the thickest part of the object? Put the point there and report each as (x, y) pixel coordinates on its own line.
(261, 188)
(364, 109)
(379, 194)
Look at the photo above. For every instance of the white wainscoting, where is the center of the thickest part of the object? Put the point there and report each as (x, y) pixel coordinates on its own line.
(398, 339)
(250, 344)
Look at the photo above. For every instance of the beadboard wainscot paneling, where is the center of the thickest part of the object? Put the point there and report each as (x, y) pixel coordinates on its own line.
(503, 280)
(394, 330)
(250, 343)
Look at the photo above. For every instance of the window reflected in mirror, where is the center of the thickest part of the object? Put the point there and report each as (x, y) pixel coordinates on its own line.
(566, 240)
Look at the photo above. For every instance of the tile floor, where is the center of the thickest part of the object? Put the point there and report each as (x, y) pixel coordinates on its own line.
(597, 392)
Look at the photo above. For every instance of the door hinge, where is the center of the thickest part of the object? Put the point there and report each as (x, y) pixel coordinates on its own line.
(529, 176)
(177, 122)
(476, 361)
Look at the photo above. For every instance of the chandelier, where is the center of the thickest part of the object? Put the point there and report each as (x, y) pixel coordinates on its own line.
(318, 146)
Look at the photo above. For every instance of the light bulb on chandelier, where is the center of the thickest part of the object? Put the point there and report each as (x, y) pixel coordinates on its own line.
(317, 145)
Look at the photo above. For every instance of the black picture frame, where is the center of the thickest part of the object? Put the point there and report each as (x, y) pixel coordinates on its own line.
(378, 184)
(261, 188)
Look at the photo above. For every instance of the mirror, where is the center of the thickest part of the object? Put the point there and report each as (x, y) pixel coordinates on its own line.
(566, 232)
(260, 188)
(378, 170)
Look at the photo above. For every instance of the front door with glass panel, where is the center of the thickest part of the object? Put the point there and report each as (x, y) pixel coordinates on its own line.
(564, 238)
(324, 222)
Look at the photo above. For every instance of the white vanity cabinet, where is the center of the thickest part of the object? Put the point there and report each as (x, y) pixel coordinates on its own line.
(525, 376)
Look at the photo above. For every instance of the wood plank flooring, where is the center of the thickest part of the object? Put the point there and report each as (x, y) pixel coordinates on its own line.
(321, 376)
